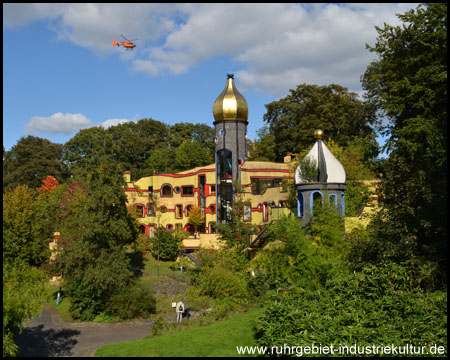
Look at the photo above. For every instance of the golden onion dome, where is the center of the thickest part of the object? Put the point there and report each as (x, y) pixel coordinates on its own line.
(230, 104)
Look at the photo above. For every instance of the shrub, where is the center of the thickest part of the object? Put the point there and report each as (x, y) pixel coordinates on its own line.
(165, 245)
(135, 301)
(345, 314)
(220, 283)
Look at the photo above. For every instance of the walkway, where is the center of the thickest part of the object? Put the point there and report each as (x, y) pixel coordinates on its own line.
(48, 336)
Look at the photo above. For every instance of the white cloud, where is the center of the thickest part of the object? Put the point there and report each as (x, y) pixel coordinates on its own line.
(274, 46)
(113, 122)
(58, 123)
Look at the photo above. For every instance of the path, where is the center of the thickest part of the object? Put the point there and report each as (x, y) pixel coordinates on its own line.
(48, 336)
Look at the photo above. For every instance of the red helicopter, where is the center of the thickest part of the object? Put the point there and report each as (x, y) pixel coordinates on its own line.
(127, 44)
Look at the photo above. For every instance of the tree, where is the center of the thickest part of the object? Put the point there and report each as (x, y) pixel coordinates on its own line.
(195, 217)
(23, 295)
(24, 238)
(408, 85)
(191, 154)
(332, 108)
(96, 230)
(263, 149)
(30, 161)
(165, 245)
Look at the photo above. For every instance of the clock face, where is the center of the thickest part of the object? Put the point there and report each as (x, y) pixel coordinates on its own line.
(222, 132)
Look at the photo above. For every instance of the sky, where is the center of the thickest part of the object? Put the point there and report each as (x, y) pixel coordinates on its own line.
(61, 72)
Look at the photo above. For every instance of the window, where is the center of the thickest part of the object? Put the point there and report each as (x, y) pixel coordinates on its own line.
(212, 189)
(169, 227)
(260, 185)
(247, 213)
(332, 199)
(150, 209)
(316, 202)
(141, 229)
(188, 208)
(176, 190)
(139, 210)
(179, 211)
(212, 209)
(163, 209)
(166, 190)
(300, 205)
(187, 191)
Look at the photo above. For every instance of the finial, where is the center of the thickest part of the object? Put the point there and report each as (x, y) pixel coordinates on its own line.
(230, 75)
(318, 134)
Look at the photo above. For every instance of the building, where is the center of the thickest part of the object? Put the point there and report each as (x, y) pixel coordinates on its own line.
(165, 199)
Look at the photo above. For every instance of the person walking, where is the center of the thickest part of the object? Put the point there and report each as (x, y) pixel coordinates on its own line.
(180, 311)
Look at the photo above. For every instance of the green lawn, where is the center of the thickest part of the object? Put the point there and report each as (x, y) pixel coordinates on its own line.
(217, 339)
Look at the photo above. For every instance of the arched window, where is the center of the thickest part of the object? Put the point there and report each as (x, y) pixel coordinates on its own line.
(300, 205)
(316, 201)
(166, 190)
(342, 204)
(265, 212)
(332, 200)
(188, 208)
(139, 208)
(142, 229)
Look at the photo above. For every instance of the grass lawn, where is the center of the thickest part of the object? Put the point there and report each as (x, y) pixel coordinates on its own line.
(217, 339)
(63, 306)
(163, 268)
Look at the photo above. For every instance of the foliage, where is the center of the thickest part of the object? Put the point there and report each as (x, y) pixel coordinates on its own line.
(195, 217)
(221, 283)
(134, 301)
(165, 245)
(144, 147)
(375, 306)
(95, 231)
(292, 259)
(24, 236)
(262, 149)
(309, 170)
(30, 161)
(332, 108)
(408, 84)
(48, 184)
(191, 154)
(23, 294)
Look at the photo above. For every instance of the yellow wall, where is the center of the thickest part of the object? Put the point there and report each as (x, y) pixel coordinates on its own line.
(138, 193)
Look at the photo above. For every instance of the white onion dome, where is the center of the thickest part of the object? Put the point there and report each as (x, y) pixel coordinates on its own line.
(329, 169)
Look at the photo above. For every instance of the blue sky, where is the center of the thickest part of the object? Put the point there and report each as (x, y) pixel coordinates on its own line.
(61, 72)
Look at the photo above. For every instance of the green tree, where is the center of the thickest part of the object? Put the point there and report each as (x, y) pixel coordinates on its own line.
(23, 295)
(96, 230)
(30, 161)
(191, 154)
(408, 85)
(165, 245)
(331, 108)
(263, 149)
(24, 236)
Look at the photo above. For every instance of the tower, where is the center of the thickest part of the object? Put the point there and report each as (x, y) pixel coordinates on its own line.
(230, 112)
(319, 178)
